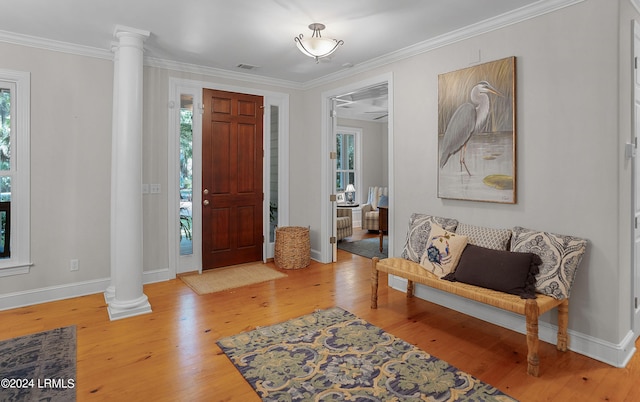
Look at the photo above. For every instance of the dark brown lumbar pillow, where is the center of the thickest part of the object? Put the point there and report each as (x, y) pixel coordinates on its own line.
(506, 271)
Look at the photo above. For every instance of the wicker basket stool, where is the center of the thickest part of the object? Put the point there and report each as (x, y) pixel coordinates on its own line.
(293, 247)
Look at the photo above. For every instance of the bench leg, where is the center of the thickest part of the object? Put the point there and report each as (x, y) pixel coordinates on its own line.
(409, 289)
(563, 324)
(532, 312)
(374, 283)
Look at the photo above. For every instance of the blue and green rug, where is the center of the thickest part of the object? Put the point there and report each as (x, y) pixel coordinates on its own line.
(332, 355)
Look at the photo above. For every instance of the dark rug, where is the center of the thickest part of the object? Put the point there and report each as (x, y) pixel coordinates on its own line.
(332, 355)
(367, 247)
(39, 367)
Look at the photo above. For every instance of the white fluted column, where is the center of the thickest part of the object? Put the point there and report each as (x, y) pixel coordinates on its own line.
(129, 299)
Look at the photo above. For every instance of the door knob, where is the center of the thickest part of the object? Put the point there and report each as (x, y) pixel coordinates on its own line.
(205, 202)
(205, 191)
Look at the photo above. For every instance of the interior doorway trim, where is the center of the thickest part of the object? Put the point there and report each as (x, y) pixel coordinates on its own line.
(635, 181)
(178, 86)
(328, 145)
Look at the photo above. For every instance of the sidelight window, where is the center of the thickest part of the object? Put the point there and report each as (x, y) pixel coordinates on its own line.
(186, 174)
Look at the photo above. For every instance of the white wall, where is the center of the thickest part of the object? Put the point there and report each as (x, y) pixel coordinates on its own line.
(70, 167)
(567, 148)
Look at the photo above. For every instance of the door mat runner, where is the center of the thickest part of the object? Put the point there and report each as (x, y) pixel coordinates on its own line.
(219, 279)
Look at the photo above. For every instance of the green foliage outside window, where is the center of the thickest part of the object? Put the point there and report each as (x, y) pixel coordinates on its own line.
(186, 147)
(186, 177)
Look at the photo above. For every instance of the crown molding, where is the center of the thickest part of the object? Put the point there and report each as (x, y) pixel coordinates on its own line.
(53, 45)
(220, 73)
(513, 17)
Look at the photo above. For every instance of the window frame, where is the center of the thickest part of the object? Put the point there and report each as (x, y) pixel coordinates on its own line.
(357, 171)
(20, 260)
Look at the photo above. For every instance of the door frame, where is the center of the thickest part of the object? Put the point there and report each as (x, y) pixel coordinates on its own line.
(327, 171)
(177, 86)
(635, 181)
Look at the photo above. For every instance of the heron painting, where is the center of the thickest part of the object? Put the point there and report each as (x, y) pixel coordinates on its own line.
(476, 133)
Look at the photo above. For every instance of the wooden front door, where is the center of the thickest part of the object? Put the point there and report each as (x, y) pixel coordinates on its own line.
(232, 194)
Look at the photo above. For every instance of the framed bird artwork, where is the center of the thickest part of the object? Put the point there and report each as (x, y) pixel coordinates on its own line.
(477, 133)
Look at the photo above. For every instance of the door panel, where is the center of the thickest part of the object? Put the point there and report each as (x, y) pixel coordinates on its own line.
(231, 179)
(220, 165)
(247, 160)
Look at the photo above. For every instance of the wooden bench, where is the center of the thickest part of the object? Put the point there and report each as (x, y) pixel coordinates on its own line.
(530, 308)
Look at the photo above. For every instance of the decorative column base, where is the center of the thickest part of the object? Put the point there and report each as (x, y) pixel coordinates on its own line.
(132, 308)
(110, 294)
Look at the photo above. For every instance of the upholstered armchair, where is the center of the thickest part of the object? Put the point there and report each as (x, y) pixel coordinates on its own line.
(344, 223)
(378, 196)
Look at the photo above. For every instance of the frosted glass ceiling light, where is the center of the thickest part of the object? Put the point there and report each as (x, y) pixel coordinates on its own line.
(316, 46)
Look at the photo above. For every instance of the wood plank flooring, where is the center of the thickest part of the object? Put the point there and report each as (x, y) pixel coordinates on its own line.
(171, 354)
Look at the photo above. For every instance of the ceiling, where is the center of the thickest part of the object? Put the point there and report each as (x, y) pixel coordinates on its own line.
(220, 35)
(370, 103)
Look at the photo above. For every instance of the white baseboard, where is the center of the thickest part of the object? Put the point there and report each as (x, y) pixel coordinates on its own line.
(67, 291)
(316, 255)
(52, 293)
(617, 355)
(157, 275)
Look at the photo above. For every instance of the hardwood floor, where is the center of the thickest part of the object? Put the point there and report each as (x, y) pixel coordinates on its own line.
(171, 354)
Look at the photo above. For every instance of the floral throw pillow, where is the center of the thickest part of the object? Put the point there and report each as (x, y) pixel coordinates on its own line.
(418, 234)
(560, 256)
(443, 251)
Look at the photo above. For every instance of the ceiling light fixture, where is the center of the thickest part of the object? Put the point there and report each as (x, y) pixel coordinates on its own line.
(316, 46)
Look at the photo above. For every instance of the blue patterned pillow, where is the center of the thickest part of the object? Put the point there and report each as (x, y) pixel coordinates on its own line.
(560, 255)
(418, 234)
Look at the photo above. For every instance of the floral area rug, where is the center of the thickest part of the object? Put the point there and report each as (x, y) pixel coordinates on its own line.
(332, 355)
(39, 367)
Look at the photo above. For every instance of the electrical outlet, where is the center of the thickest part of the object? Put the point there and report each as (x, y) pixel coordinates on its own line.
(73, 265)
(154, 188)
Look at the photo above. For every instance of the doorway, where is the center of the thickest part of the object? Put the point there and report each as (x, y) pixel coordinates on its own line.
(232, 174)
(275, 179)
(329, 126)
